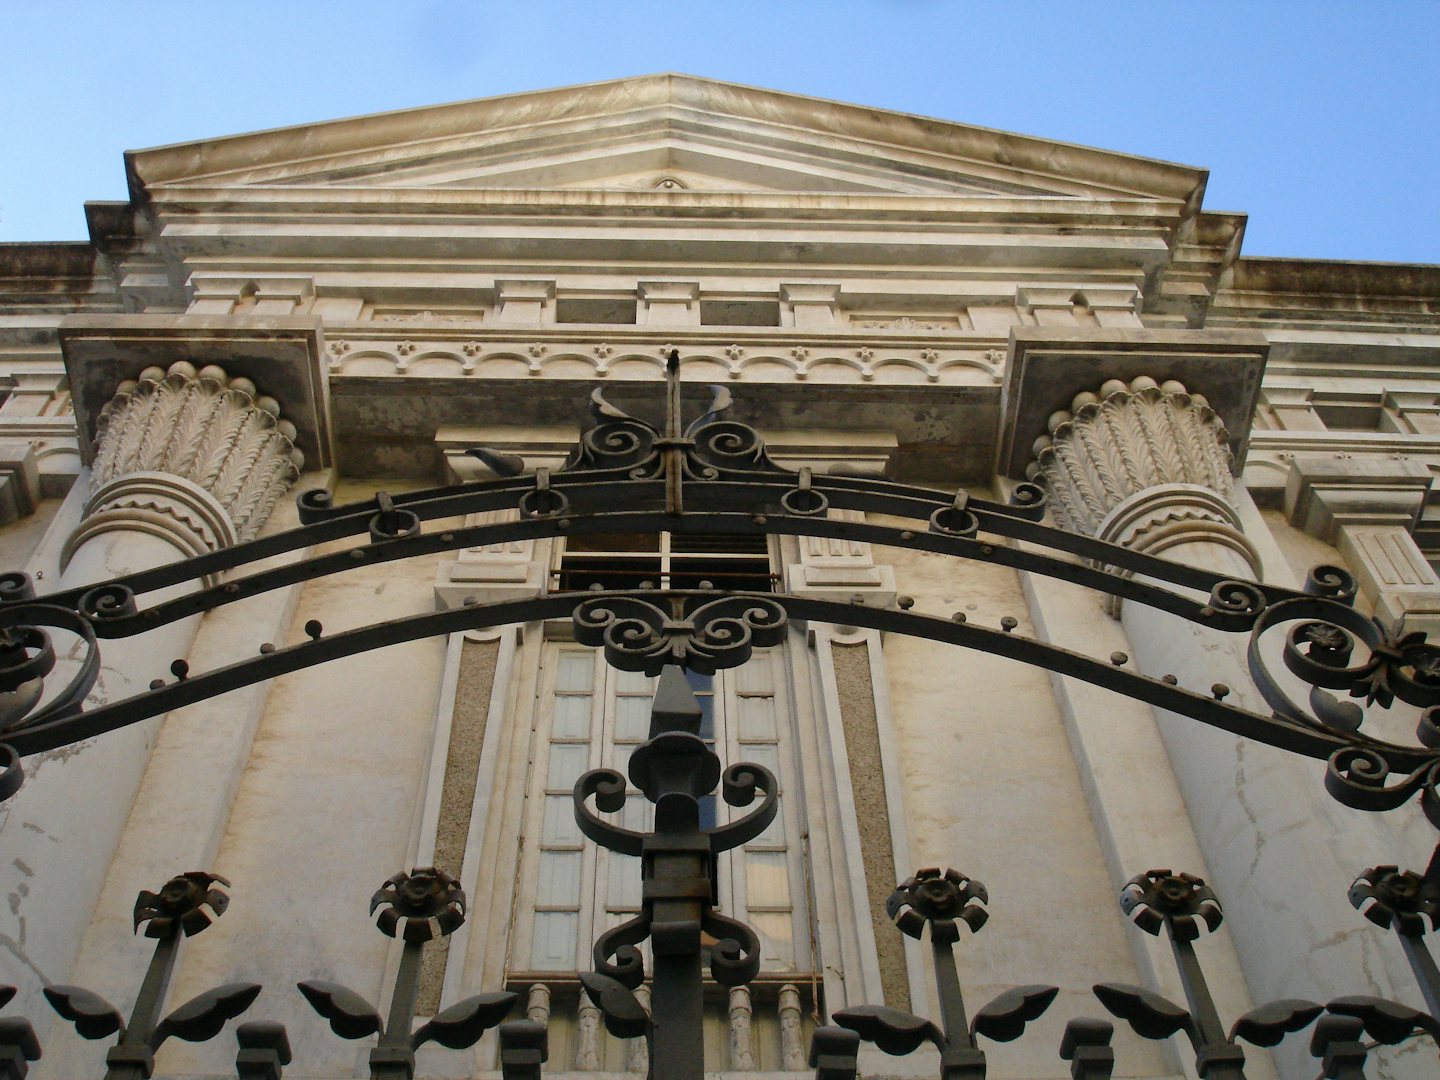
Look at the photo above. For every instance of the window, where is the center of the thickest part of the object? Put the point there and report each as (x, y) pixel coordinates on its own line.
(591, 716)
(667, 561)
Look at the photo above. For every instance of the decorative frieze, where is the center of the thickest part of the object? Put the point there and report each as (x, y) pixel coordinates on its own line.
(196, 456)
(858, 358)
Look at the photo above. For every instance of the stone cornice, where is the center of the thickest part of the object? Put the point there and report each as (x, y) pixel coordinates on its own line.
(300, 201)
(881, 357)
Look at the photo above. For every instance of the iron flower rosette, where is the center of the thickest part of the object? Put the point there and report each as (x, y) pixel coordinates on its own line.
(187, 902)
(938, 897)
(1182, 901)
(428, 901)
(1389, 896)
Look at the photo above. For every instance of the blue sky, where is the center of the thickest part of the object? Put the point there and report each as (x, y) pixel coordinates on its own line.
(1321, 120)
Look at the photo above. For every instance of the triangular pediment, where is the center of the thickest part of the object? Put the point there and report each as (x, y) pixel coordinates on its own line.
(662, 133)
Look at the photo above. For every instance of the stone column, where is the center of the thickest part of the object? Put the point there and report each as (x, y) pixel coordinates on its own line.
(186, 462)
(1146, 464)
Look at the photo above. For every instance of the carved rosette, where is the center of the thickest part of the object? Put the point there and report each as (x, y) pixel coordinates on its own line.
(1143, 464)
(194, 456)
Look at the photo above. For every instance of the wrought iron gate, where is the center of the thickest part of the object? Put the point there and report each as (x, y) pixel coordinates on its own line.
(714, 476)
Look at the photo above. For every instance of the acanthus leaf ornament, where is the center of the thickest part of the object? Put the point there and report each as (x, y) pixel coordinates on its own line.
(1111, 445)
(215, 433)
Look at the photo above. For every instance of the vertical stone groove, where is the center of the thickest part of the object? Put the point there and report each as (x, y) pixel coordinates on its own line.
(856, 692)
(468, 722)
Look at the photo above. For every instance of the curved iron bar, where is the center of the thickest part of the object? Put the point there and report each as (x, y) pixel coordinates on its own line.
(391, 523)
(118, 620)
(1312, 741)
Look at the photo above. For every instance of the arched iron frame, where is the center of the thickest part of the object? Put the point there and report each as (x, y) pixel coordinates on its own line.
(715, 476)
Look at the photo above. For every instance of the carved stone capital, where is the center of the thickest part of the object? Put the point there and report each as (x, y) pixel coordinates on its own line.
(1146, 465)
(1124, 440)
(195, 456)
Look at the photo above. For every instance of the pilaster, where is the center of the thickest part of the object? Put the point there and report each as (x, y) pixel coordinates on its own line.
(185, 461)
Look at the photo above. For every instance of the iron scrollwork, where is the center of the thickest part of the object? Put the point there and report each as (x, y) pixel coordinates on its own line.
(675, 769)
(707, 636)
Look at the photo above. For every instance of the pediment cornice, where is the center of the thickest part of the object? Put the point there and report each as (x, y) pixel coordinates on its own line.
(572, 136)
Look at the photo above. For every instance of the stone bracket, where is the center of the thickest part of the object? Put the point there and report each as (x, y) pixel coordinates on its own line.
(274, 294)
(669, 303)
(1367, 506)
(524, 302)
(19, 480)
(838, 569)
(1111, 305)
(812, 307)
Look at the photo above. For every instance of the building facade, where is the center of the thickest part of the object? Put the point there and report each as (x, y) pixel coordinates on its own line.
(352, 306)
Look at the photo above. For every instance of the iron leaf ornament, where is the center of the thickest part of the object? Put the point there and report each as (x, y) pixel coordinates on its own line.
(941, 900)
(350, 1016)
(1184, 907)
(461, 1025)
(184, 906)
(415, 907)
